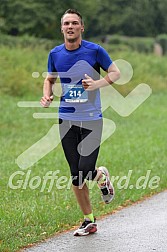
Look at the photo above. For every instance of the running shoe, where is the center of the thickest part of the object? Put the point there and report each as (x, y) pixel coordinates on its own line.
(106, 187)
(87, 227)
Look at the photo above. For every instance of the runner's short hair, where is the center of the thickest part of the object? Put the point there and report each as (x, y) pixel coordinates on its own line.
(73, 11)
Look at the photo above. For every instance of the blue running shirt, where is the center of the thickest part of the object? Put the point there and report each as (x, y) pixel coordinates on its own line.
(77, 104)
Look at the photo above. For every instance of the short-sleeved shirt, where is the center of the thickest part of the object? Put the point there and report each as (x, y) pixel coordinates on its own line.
(76, 103)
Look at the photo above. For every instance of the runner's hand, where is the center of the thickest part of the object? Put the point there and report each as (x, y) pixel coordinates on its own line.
(46, 101)
(89, 84)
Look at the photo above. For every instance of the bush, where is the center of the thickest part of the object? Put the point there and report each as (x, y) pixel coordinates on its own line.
(145, 45)
(162, 40)
(140, 44)
(28, 41)
(116, 48)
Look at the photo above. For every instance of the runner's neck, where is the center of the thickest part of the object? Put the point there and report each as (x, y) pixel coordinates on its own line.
(73, 45)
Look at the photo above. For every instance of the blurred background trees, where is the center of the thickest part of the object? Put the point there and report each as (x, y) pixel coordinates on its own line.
(125, 17)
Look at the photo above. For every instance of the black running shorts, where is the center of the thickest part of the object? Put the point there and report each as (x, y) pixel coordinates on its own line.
(81, 142)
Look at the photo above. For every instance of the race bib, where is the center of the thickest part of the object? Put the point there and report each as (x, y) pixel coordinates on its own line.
(75, 93)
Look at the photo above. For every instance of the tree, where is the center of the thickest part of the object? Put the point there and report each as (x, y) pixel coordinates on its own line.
(42, 18)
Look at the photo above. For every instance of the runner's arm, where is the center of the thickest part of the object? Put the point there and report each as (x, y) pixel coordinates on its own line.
(47, 91)
(112, 75)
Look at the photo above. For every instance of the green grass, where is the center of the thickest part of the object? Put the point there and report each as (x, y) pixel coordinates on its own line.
(18, 64)
(138, 144)
(27, 215)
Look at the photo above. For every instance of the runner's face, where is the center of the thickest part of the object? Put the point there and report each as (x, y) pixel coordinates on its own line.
(71, 27)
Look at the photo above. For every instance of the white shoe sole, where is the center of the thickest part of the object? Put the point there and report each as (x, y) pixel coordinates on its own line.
(107, 198)
(90, 229)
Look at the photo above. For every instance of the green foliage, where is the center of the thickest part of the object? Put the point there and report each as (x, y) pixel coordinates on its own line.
(28, 42)
(34, 17)
(18, 63)
(119, 42)
(17, 79)
(28, 17)
(162, 40)
(144, 45)
(125, 17)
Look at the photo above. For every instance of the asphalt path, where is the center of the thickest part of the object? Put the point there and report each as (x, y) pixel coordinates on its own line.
(141, 227)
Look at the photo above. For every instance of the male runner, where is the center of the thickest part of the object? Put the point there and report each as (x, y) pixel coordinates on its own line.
(77, 62)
